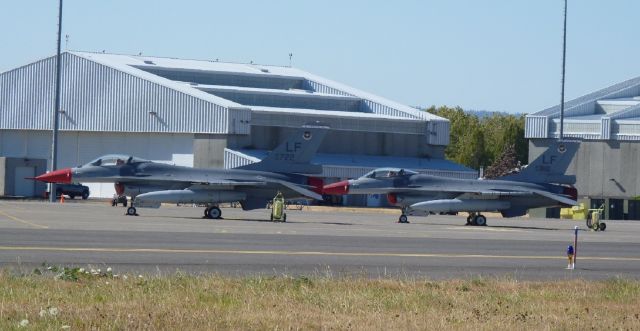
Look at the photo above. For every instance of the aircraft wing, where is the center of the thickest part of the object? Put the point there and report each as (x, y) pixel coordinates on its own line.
(213, 182)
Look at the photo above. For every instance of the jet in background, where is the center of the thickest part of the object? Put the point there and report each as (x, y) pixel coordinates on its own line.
(543, 183)
(151, 183)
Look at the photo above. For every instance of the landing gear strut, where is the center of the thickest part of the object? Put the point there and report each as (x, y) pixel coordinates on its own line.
(131, 210)
(213, 212)
(476, 219)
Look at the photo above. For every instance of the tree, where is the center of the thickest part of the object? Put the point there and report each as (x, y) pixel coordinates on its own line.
(477, 142)
(503, 165)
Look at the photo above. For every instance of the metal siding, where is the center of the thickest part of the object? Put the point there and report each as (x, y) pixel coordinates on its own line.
(630, 112)
(438, 133)
(536, 126)
(605, 128)
(100, 98)
(273, 118)
(321, 88)
(627, 88)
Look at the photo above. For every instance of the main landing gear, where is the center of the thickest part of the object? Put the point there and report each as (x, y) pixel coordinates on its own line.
(213, 212)
(131, 210)
(403, 218)
(476, 219)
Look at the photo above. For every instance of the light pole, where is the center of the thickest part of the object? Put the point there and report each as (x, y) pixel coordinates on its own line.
(564, 55)
(56, 110)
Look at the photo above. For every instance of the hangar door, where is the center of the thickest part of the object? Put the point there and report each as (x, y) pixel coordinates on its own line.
(21, 186)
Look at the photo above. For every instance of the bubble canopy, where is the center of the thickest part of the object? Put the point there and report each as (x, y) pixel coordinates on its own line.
(115, 159)
(388, 173)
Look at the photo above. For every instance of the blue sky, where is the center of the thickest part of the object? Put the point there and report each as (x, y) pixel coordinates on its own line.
(499, 55)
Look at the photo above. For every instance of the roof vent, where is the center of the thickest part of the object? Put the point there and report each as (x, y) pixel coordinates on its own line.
(264, 70)
(148, 62)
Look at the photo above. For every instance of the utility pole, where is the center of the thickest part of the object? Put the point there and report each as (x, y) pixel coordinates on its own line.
(564, 55)
(56, 111)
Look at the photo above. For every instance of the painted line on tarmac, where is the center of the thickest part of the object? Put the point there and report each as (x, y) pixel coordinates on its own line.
(305, 253)
(17, 219)
(484, 229)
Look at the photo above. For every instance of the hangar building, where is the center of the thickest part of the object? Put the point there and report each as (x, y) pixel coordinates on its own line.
(207, 114)
(606, 165)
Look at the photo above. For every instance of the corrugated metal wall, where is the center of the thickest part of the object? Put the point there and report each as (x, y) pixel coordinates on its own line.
(535, 126)
(321, 88)
(99, 98)
(288, 119)
(437, 133)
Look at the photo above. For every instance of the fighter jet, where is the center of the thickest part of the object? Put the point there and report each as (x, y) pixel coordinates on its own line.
(542, 183)
(286, 169)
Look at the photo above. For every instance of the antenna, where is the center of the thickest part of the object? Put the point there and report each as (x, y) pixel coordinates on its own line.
(66, 42)
(564, 55)
(57, 107)
(290, 56)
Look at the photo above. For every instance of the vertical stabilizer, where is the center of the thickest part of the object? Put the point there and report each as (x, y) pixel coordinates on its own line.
(551, 166)
(294, 155)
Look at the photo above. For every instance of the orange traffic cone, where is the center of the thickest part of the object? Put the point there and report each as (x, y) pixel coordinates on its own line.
(61, 198)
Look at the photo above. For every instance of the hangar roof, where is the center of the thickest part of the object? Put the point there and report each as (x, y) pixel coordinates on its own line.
(135, 93)
(612, 113)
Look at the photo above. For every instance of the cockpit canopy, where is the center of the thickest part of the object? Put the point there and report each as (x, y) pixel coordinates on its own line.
(115, 159)
(388, 173)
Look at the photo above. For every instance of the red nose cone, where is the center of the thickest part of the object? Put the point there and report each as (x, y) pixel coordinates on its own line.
(62, 176)
(338, 188)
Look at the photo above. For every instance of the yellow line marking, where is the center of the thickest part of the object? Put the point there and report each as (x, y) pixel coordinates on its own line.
(307, 253)
(17, 219)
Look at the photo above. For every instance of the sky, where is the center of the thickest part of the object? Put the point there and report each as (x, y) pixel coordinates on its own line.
(496, 55)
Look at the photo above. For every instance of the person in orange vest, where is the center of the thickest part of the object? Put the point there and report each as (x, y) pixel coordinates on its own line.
(570, 256)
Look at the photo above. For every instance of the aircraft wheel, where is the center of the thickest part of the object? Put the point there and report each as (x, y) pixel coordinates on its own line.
(284, 217)
(481, 220)
(214, 212)
(589, 222)
(131, 211)
(206, 212)
(403, 219)
(469, 220)
(603, 226)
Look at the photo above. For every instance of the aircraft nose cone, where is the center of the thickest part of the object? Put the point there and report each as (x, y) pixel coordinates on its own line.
(62, 176)
(338, 188)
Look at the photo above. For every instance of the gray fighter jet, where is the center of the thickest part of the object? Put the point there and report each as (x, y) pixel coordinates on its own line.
(285, 169)
(542, 183)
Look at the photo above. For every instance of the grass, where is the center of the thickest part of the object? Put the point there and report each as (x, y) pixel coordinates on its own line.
(70, 298)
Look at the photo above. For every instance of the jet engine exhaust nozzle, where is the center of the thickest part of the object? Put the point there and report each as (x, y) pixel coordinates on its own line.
(339, 188)
(61, 176)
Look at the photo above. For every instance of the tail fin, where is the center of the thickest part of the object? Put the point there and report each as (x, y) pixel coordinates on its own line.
(294, 154)
(551, 166)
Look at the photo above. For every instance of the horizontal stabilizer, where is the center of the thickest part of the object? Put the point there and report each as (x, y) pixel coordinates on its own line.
(299, 189)
(562, 199)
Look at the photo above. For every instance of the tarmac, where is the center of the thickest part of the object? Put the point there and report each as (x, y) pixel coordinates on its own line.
(313, 242)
